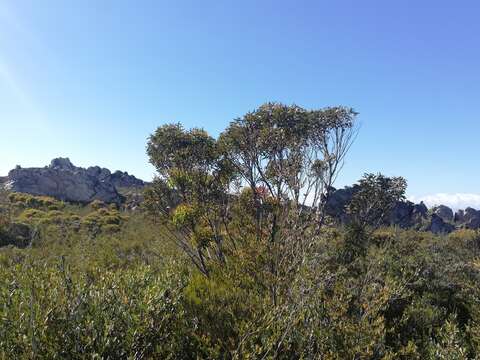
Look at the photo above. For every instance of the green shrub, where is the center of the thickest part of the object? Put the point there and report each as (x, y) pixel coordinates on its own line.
(22, 200)
(128, 292)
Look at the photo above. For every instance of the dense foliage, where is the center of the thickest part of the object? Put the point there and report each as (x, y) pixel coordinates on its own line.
(225, 260)
(131, 294)
(375, 198)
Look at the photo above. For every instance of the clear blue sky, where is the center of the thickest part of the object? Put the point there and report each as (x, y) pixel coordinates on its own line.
(92, 79)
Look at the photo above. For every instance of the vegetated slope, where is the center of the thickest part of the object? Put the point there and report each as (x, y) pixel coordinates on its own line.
(79, 290)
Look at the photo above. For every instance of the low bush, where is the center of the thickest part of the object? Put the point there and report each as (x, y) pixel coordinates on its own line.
(129, 292)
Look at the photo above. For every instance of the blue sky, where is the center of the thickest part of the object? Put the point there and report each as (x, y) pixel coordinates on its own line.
(92, 79)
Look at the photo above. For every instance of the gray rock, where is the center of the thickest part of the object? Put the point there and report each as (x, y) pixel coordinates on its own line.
(468, 218)
(420, 211)
(444, 212)
(94, 171)
(338, 201)
(470, 214)
(65, 181)
(98, 172)
(401, 214)
(407, 214)
(472, 218)
(473, 223)
(459, 216)
(124, 180)
(62, 164)
(438, 226)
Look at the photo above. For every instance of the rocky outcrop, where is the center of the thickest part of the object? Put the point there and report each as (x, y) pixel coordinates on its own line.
(402, 214)
(420, 210)
(124, 180)
(470, 218)
(62, 164)
(459, 216)
(338, 201)
(64, 181)
(439, 226)
(444, 212)
(406, 214)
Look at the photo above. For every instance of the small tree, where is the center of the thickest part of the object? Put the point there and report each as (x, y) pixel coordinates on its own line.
(292, 157)
(295, 154)
(375, 199)
(287, 157)
(190, 190)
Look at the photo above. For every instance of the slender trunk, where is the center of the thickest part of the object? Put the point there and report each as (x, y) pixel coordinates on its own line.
(202, 262)
(258, 212)
(274, 254)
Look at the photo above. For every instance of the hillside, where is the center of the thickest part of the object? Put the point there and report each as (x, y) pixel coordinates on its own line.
(94, 280)
(64, 181)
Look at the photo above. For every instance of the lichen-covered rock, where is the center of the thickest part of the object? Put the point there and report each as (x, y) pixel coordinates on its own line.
(64, 181)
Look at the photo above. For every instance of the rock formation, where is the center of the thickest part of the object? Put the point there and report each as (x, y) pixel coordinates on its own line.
(406, 214)
(338, 201)
(470, 218)
(124, 180)
(439, 226)
(444, 212)
(65, 181)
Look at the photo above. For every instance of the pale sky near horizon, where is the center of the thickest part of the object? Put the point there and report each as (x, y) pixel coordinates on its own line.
(90, 80)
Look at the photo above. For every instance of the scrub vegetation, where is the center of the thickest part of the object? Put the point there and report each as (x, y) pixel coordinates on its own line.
(232, 255)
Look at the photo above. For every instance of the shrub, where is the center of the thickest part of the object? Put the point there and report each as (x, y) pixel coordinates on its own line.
(35, 202)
